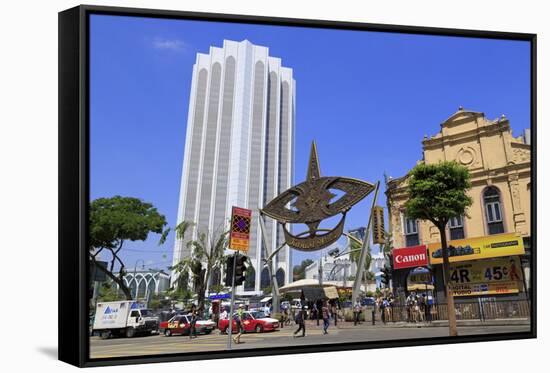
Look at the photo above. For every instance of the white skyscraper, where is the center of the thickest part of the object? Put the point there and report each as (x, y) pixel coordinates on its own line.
(238, 148)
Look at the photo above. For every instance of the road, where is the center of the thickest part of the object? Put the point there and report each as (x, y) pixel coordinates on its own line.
(159, 344)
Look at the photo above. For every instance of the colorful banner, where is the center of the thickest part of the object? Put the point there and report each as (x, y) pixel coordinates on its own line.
(486, 277)
(478, 248)
(239, 238)
(407, 257)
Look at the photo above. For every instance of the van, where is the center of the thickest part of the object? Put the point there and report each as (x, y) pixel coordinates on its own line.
(123, 318)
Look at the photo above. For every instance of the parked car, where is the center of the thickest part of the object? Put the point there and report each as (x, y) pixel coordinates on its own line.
(181, 324)
(253, 321)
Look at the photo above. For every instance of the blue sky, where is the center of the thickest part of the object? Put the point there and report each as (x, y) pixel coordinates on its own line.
(366, 98)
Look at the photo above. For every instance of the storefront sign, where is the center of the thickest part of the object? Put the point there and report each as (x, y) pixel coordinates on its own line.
(240, 229)
(486, 277)
(479, 248)
(407, 257)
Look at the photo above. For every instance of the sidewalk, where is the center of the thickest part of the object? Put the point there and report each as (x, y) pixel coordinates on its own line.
(439, 323)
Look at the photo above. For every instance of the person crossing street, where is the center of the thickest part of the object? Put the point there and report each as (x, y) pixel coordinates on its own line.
(326, 317)
(301, 322)
(239, 323)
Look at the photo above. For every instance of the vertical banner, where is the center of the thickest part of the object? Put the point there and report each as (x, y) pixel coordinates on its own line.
(239, 238)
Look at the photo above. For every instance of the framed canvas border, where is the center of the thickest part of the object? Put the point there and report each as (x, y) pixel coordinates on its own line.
(73, 101)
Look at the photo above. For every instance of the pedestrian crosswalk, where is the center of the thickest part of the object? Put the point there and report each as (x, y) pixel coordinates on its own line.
(152, 345)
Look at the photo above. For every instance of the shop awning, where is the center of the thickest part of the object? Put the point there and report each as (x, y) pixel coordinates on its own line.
(266, 299)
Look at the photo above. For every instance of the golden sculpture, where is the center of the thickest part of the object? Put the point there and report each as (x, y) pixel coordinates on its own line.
(310, 204)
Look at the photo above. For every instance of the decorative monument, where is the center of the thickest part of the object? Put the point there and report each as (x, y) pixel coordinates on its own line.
(309, 204)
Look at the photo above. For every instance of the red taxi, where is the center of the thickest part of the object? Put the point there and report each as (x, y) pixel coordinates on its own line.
(253, 321)
(180, 324)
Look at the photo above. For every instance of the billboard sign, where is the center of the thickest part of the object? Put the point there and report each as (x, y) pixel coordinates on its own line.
(479, 248)
(486, 277)
(239, 238)
(407, 257)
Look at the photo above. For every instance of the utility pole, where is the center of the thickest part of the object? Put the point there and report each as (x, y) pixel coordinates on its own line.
(229, 330)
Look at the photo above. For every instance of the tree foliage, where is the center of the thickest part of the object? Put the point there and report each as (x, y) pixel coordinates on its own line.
(299, 271)
(207, 252)
(115, 220)
(437, 192)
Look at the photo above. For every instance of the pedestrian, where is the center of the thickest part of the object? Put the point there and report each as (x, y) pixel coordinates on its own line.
(334, 312)
(429, 304)
(239, 324)
(267, 310)
(383, 310)
(223, 314)
(356, 312)
(314, 312)
(326, 319)
(301, 322)
(193, 323)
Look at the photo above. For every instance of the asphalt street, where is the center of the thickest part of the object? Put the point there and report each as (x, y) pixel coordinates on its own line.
(159, 344)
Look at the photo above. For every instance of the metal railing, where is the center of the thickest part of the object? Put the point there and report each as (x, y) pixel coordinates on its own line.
(480, 310)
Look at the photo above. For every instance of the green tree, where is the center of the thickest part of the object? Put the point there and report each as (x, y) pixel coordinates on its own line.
(437, 193)
(299, 271)
(115, 220)
(109, 293)
(207, 252)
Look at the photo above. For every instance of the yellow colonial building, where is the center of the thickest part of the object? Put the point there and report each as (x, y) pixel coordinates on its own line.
(500, 169)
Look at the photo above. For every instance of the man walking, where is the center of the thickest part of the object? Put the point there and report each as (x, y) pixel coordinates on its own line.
(326, 320)
(239, 323)
(356, 312)
(193, 323)
(301, 322)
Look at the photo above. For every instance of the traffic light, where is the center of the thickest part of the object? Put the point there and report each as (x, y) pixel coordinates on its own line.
(240, 269)
(378, 225)
(229, 271)
(386, 275)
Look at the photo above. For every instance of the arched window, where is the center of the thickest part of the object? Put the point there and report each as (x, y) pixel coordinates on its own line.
(250, 279)
(265, 281)
(280, 275)
(493, 210)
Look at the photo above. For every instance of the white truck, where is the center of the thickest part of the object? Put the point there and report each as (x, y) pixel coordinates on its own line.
(123, 318)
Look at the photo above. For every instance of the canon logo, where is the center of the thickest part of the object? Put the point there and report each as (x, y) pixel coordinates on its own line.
(410, 258)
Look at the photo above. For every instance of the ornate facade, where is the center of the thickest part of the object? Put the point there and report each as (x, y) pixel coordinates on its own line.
(500, 168)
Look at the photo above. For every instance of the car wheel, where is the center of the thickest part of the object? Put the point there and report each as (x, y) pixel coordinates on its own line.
(167, 332)
(130, 332)
(259, 328)
(105, 335)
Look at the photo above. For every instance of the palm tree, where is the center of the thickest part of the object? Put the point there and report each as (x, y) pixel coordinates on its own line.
(207, 253)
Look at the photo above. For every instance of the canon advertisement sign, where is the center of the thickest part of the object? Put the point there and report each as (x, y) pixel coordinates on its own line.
(406, 257)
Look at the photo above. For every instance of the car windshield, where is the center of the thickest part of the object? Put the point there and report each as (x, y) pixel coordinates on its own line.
(258, 314)
(146, 313)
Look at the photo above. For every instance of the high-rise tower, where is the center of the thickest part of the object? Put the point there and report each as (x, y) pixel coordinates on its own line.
(239, 148)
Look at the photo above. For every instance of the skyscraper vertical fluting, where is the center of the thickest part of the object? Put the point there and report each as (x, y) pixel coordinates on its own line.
(238, 148)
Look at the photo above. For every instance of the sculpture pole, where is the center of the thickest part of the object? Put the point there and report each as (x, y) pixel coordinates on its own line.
(270, 266)
(364, 250)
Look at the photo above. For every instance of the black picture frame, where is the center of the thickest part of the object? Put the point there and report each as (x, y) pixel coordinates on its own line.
(74, 183)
